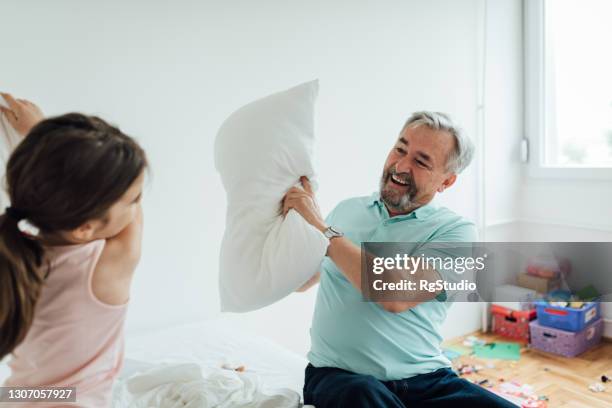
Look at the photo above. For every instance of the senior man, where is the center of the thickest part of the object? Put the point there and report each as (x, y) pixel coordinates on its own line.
(387, 353)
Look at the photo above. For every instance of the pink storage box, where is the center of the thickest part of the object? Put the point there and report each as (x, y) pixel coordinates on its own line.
(565, 343)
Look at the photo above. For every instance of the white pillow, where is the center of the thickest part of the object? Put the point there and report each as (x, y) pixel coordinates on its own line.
(261, 151)
(9, 139)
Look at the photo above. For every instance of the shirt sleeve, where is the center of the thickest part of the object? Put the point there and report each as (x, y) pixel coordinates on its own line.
(451, 254)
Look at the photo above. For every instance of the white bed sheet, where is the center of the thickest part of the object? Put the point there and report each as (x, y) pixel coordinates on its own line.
(212, 344)
(4, 371)
(209, 344)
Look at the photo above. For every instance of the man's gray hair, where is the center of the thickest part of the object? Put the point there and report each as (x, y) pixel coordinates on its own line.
(463, 153)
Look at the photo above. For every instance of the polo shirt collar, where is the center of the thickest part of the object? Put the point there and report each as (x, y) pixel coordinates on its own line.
(420, 213)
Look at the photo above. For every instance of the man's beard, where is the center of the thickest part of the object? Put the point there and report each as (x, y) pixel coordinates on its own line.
(396, 201)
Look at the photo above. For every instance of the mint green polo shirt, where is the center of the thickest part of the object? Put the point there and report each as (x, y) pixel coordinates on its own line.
(362, 337)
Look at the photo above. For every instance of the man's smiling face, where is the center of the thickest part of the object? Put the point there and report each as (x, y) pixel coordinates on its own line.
(416, 168)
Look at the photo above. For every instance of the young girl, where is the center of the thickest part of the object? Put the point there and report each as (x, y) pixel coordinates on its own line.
(69, 244)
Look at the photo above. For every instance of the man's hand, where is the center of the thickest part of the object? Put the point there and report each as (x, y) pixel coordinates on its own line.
(22, 114)
(346, 255)
(304, 202)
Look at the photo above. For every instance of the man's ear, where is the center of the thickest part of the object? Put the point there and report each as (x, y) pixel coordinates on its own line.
(449, 181)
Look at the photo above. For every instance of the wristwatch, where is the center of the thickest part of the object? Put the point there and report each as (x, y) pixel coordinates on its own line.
(331, 233)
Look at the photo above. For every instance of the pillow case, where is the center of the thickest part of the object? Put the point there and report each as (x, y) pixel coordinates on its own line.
(261, 150)
(9, 139)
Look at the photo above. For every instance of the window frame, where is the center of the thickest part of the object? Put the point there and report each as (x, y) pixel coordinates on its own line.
(534, 96)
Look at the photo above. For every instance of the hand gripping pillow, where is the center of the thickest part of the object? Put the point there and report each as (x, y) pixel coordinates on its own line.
(261, 151)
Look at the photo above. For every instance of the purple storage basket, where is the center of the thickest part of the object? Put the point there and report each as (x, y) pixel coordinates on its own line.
(565, 343)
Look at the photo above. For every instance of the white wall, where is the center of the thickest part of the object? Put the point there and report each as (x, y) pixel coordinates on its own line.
(499, 43)
(503, 110)
(585, 204)
(170, 72)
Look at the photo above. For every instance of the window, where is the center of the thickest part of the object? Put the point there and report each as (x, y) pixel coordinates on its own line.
(569, 87)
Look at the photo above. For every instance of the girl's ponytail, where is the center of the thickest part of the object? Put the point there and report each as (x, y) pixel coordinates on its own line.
(21, 259)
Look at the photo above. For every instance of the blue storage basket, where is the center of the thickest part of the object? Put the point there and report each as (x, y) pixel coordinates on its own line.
(567, 318)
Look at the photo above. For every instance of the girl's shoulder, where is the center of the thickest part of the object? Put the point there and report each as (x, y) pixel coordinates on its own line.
(77, 253)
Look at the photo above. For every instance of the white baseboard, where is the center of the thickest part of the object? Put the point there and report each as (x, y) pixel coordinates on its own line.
(550, 222)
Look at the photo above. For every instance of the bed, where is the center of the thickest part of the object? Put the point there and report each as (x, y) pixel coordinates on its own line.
(209, 344)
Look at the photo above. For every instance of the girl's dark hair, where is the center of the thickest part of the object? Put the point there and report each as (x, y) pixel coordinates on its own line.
(68, 170)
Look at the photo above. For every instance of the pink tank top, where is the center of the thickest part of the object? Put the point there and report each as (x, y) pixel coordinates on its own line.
(75, 339)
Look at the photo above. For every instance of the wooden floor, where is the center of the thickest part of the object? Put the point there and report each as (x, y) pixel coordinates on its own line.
(564, 381)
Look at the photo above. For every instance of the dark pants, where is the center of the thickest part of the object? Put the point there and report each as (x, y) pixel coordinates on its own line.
(327, 387)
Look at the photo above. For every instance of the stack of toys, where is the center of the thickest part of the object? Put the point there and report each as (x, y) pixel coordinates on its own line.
(543, 274)
(567, 324)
